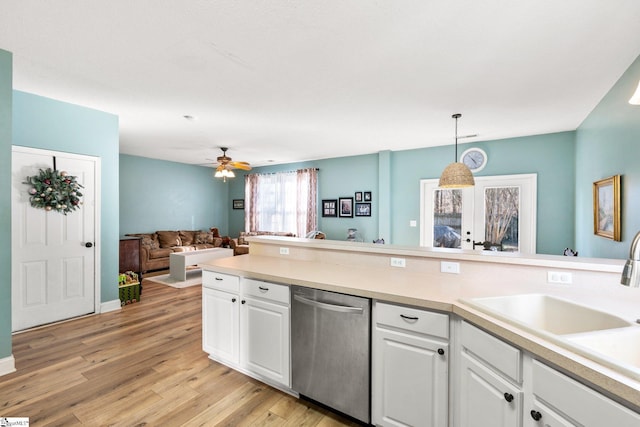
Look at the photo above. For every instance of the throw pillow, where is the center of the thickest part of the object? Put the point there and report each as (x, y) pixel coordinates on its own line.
(150, 242)
(203, 237)
(187, 237)
(169, 239)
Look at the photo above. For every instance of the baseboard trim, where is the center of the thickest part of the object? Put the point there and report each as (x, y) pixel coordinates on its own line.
(7, 365)
(112, 305)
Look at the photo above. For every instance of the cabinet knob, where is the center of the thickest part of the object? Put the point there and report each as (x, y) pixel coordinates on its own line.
(536, 415)
(243, 301)
(233, 300)
(89, 245)
(508, 397)
(440, 351)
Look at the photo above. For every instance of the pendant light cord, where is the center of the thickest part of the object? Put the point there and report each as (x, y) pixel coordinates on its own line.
(456, 116)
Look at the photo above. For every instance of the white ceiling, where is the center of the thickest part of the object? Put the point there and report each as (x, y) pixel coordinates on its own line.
(285, 80)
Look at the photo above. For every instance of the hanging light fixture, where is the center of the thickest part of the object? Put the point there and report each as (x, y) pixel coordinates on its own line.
(224, 173)
(456, 175)
(635, 99)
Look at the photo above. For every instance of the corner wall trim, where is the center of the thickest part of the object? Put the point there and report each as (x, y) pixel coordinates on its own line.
(112, 305)
(7, 365)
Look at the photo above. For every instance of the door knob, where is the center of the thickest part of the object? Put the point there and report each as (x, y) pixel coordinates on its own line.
(89, 245)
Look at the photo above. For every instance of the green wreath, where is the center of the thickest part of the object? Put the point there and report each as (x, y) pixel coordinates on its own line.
(54, 190)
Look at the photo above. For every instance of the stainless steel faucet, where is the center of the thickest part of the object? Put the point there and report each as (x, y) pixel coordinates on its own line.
(631, 272)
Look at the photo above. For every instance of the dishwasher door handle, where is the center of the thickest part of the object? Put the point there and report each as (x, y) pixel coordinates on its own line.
(332, 307)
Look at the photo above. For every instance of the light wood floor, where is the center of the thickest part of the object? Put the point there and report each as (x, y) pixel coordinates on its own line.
(141, 366)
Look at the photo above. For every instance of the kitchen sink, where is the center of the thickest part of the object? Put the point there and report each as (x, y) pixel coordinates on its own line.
(544, 313)
(613, 346)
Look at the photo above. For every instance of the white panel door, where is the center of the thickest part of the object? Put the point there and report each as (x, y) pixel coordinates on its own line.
(410, 380)
(53, 255)
(265, 339)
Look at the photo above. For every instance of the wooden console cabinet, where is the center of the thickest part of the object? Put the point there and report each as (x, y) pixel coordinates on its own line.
(130, 255)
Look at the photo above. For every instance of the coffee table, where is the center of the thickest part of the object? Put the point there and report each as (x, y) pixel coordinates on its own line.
(179, 261)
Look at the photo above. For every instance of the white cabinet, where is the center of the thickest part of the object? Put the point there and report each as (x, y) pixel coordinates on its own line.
(265, 334)
(561, 401)
(221, 316)
(492, 390)
(245, 324)
(490, 375)
(409, 367)
(486, 398)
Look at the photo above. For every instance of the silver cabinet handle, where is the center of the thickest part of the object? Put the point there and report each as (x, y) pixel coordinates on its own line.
(332, 307)
(263, 289)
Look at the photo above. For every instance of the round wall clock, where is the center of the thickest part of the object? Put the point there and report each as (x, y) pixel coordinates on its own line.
(474, 158)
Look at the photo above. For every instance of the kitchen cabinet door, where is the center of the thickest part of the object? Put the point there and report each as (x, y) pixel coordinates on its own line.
(265, 339)
(410, 380)
(221, 325)
(485, 398)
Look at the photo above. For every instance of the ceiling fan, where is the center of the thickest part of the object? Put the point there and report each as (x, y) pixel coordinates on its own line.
(226, 166)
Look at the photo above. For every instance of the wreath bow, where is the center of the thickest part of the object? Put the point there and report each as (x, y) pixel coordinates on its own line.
(54, 190)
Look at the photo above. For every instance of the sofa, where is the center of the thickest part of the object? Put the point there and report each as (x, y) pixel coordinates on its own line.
(156, 247)
(240, 245)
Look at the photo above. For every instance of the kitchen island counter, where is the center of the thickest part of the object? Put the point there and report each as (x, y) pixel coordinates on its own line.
(422, 284)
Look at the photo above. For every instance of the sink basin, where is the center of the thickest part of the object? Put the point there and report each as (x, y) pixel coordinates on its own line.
(540, 312)
(617, 345)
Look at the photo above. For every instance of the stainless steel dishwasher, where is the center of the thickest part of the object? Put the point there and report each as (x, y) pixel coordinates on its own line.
(330, 349)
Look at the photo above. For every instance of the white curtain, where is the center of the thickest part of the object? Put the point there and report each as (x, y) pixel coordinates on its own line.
(283, 201)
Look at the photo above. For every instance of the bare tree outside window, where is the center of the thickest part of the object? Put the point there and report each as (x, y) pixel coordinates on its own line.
(502, 209)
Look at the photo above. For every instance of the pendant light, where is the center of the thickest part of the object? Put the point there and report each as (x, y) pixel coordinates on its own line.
(456, 175)
(635, 99)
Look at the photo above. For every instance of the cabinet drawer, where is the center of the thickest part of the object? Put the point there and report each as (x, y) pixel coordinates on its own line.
(500, 355)
(412, 319)
(223, 282)
(266, 290)
(577, 401)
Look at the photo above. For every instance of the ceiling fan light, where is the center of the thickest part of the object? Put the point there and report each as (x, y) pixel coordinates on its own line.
(456, 175)
(635, 99)
(230, 174)
(218, 174)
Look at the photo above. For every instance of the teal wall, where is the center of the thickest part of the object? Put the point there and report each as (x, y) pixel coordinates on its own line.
(6, 71)
(161, 195)
(608, 143)
(550, 156)
(45, 123)
(394, 180)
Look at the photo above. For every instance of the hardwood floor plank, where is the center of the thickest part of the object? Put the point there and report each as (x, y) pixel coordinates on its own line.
(140, 366)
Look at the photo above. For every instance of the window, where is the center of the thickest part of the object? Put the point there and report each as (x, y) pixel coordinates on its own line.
(282, 202)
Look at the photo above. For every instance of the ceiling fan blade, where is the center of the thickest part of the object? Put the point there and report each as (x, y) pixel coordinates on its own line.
(241, 165)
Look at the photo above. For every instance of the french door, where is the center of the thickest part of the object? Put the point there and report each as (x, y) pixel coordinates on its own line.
(498, 213)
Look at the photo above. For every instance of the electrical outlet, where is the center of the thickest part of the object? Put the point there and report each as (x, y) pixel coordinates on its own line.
(450, 267)
(398, 262)
(561, 277)
(284, 251)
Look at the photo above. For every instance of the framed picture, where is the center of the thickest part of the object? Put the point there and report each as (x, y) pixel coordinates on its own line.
(367, 196)
(358, 196)
(606, 208)
(363, 209)
(238, 203)
(345, 206)
(330, 208)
